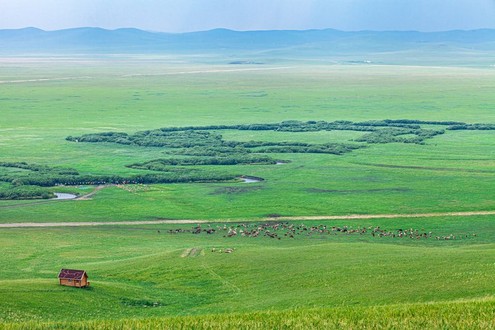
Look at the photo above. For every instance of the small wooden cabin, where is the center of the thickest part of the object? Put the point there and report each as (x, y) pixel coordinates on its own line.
(73, 277)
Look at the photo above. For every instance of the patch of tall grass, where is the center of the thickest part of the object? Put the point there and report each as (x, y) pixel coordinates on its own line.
(466, 314)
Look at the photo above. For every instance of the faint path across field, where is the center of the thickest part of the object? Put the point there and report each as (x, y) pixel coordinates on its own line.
(205, 71)
(88, 196)
(90, 224)
(387, 216)
(20, 81)
(329, 217)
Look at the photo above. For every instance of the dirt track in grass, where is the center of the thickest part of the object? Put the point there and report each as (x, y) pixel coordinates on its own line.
(329, 217)
(386, 216)
(90, 224)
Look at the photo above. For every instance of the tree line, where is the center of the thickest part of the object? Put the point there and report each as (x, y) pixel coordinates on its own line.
(25, 192)
(417, 136)
(205, 146)
(31, 184)
(165, 163)
(173, 176)
(383, 131)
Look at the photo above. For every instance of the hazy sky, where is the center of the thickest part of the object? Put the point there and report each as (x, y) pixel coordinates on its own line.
(194, 15)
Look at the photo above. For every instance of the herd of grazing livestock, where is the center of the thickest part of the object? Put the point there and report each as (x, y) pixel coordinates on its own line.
(280, 230)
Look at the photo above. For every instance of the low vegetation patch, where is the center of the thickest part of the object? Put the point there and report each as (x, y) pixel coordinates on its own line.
(212, 142)
(192, 150)
(164, 164)
(235, 190)
(357, 191)
(140, 303)
(25, 192)
(474, 314)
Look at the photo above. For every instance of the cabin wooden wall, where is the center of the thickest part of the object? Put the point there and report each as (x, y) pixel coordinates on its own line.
(75, 283)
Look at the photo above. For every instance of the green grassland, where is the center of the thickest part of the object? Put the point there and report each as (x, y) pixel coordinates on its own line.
(145, 271)
(477, 314)
(451, 172)
(139, 277)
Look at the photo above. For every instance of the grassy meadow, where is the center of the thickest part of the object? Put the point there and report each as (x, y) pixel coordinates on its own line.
(145, 271)
(452, 315)
(144, 277)
(451, 172)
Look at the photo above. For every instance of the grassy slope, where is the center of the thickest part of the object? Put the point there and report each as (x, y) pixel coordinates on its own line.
(133, 267)
(375, 280)
(477, 314)
(36, 117)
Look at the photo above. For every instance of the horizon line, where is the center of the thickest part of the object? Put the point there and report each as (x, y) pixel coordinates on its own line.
(240, 31)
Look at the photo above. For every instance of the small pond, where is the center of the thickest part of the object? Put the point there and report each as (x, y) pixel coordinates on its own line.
(64, 196)
(251, 179)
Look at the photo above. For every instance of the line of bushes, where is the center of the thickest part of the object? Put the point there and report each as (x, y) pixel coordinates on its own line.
(40, 168)
(177, 177)
(327, 148)
(154, 138)
(222, 151)
(27, 185)
(422, 122)
(204, 143)
(25, 192)
(164, 164)
(300, 126)
(476, 127)
(397, 135)
(380, 131)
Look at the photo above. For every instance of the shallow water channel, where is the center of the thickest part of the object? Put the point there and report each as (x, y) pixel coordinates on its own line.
(64, 196)
(251, 179)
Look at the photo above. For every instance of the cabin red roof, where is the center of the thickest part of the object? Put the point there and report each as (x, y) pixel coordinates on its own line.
(73, 274)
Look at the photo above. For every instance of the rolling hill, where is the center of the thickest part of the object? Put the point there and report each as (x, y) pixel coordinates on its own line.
(129, 40)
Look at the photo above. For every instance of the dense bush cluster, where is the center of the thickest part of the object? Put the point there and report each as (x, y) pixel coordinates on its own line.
(300, 126)
(164, 164)
(474, 127)
(213, 144)
(211, 151)
(155, 138)
(422, 122)
(171, 177)
(204, 145)
(314, 126)
(327, 148)
(40, 168)
(25, 192)
(209, 148)
(417, 136)
(29, 185)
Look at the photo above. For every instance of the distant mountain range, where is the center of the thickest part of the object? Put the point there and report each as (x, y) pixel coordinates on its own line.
(97, 40)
